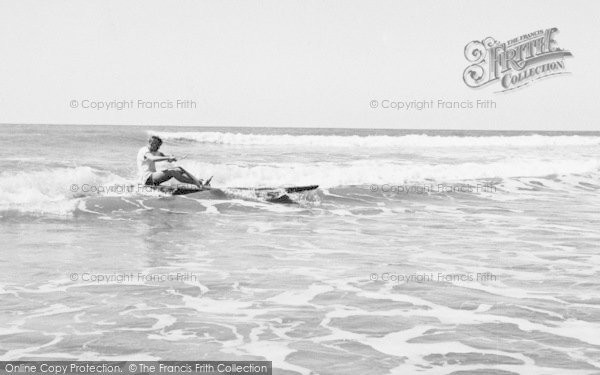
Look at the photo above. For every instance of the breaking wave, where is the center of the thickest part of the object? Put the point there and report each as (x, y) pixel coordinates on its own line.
(382, 171)
(52, 191)
(411, 140)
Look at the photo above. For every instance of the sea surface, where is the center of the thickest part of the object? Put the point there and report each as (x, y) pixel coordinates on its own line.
(422, 252)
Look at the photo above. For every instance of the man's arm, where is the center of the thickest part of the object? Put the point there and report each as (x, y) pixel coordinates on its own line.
(149, 156)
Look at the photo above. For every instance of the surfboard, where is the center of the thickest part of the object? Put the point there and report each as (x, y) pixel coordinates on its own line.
(177, 190)
(290, 189)
(183, 190)
(298, 189)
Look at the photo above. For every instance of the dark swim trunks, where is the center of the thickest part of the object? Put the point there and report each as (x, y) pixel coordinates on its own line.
(151, 182)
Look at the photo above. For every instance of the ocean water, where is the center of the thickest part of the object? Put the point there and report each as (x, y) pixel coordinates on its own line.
(429, 252)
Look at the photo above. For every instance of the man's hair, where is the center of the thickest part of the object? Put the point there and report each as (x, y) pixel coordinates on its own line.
(155, 139)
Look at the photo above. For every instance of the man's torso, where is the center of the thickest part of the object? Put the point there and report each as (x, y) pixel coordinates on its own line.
(145, 166)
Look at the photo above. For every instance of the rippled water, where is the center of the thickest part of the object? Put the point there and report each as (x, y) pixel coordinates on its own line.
(438, 253)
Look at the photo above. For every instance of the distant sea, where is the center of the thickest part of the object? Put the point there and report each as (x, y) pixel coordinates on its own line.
(430, 252)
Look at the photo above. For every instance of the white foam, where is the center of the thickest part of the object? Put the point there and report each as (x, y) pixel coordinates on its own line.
(411, 140)
(55, 191)
(384, 171)
(299, 297)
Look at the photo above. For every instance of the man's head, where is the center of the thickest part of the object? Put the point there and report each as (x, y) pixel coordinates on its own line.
(154, 143)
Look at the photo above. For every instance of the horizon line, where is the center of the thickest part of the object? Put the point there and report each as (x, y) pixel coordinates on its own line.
(305, 127)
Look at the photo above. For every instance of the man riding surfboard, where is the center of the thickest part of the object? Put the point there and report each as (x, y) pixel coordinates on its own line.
(147, 158)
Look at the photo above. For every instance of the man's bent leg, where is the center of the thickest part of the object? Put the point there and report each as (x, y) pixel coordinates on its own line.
(186, 174)
(167, 174)
(160, 177)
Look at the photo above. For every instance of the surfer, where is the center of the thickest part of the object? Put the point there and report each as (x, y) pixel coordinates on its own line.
(146, 162)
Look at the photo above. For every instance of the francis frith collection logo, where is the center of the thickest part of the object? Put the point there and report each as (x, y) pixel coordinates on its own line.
(515, 63)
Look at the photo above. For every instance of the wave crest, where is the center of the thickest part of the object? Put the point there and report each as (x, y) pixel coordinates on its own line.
(382, 172)
(50, 191)
(410, 140)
